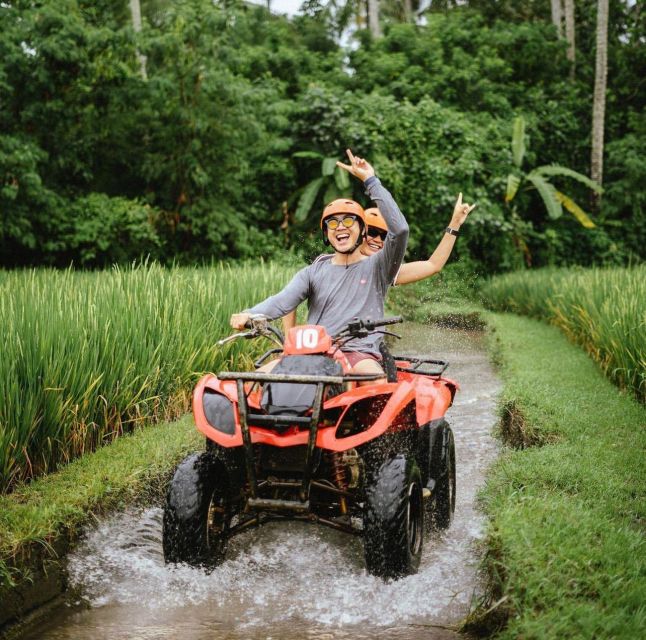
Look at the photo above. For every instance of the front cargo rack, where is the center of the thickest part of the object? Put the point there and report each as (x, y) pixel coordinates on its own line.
(311, 421)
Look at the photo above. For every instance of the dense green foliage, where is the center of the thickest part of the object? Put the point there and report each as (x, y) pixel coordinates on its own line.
(603, 310)
(565, 544)
(204, 157)
(87, 356)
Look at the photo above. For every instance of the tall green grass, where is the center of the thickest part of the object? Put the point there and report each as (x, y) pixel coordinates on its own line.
(87, 356)
(603, 310)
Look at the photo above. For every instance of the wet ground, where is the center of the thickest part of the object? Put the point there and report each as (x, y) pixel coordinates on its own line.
(295, 581)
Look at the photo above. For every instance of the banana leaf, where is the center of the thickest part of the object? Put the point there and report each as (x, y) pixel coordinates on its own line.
(575, 210)
(307, 199)
(548, 193)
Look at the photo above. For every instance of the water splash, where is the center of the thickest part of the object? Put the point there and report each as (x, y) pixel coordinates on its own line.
(295, 580)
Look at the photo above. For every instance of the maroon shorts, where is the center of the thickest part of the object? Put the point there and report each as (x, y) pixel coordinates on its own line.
(354, 357)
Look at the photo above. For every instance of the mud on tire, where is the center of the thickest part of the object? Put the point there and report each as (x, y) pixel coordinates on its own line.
(197, 511)
(394, 519)
(443, 501)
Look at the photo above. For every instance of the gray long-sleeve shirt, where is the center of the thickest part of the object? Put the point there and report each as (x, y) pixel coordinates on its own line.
(339, 293)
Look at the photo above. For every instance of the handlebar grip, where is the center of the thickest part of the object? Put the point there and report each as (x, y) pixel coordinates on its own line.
(371, 324)
(394, 320)
(253, 320)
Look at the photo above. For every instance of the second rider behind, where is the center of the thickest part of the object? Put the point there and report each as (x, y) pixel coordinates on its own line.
(350, 285)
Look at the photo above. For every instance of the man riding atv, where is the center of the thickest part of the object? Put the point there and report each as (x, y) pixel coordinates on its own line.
(305, 441)
(376, 234)
(350, 285)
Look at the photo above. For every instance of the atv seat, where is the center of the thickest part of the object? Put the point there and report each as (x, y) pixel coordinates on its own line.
(296, 399)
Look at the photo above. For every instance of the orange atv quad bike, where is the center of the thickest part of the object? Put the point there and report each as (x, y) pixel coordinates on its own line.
(306, 442)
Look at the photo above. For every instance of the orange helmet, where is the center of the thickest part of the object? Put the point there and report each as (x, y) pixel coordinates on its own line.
(342, 206)
(373, 218)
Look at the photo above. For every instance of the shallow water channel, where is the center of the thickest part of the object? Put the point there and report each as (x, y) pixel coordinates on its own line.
(294, 580)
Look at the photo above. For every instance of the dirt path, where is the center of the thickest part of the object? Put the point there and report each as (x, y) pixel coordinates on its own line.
(293, 580)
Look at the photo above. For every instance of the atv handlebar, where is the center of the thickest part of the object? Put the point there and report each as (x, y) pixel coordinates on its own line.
(358, 328)
(258, 325)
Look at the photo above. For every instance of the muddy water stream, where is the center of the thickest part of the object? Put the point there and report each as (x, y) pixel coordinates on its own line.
(294, 580)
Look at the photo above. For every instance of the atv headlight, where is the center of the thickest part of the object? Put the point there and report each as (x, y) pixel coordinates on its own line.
(219, 412)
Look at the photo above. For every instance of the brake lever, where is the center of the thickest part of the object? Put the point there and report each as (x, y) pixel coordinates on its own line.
(270, 336)
(389, 333)
(235, 336)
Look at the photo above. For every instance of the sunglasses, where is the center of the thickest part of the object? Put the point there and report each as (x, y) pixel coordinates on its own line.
(347, 221)
(373, 232)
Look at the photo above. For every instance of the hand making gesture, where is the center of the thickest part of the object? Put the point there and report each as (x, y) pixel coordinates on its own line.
(359, 167)
(460, 212)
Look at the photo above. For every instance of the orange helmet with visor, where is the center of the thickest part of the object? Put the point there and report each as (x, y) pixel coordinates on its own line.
(339, 207)
(373, 218)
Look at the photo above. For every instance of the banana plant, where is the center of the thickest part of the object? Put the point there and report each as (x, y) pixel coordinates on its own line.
(333, 182)
(553, 199)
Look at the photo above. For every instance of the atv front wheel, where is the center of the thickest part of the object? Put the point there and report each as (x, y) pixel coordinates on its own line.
(443, 501)
(197, 512)
(393, 523)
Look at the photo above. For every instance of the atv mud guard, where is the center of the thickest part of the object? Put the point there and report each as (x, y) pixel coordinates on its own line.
(311, 421)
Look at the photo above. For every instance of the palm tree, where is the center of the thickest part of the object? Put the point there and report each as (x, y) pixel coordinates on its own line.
(135, 10)
(565, 9)
(599, 100)
(373, 18)
(539, 179)
(569, 34)
(557, 16)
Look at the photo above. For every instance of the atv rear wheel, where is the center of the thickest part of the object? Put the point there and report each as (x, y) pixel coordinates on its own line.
(197, 512)
(393, 524)
(443, 501)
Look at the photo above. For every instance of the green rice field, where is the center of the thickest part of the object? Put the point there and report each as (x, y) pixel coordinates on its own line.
(87, 356)
(603, 310)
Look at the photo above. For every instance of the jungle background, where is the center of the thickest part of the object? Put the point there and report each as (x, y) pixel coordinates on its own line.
(211, 131)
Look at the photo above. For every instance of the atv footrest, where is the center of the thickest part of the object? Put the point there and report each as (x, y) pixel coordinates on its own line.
(269, 504)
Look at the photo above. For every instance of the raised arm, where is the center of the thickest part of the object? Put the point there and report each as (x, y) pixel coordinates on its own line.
(392, 254)
(414, 271)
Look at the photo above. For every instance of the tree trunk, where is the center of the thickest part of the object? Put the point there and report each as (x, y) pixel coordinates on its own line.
(408, 10)
(557, 16)
(599, 104)
(373, 18)
(569, 34)
(135, 10)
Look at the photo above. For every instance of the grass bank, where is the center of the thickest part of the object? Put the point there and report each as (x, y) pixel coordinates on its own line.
(39, 521)
(566, 551)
